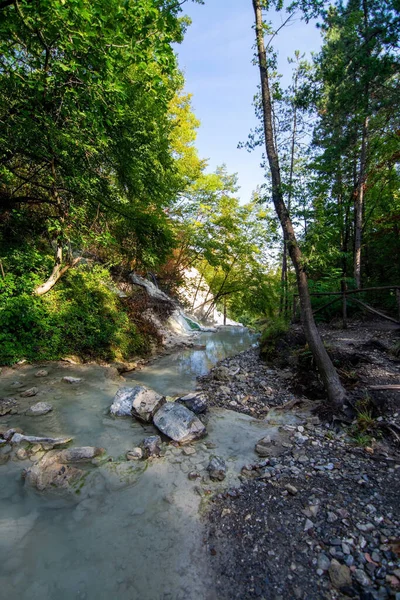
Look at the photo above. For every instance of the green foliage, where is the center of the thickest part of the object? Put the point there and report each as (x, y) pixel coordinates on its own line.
(270, 335)
(82, 316)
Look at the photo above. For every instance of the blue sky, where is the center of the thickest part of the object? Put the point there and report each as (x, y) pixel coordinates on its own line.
(216, 57)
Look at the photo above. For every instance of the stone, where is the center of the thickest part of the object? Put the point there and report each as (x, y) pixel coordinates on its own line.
(339, 574)
(79, 454)
(19, 438)
(49, 473)
(361, 578)
(72, 380)
(332, 517)
(196, 402)
(29, 393)
(21, 454)
(193, 475)
(135, 454)
(40, 408)
(41, 373)
(221, 373)
(323, 562)
(217, 468)
(179, 423)
(189, 451)
(138, 401)
(53, 470)
(291, 489)
(262, 447)
(8, 406)
(151, 446)
(308, 525)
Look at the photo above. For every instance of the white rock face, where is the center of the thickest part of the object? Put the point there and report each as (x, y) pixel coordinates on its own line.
(179, 423)
(138, 401)
(196, 294)
(40, 408)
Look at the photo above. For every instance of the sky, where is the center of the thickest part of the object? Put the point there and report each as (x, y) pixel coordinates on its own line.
(216, 58)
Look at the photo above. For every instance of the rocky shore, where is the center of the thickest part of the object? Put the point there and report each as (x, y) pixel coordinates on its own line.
(317, 515)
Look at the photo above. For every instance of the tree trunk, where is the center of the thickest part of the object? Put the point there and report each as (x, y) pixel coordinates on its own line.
(334, 389)
(359, 206)
(58, 271)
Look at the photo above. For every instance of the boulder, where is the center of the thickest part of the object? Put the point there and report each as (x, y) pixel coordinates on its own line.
(40, 408)
(138, 401)
(53, 470)
(151, 446)
(217, 468)
(49, 473)
(179, 423)
(29, 393)
(196, 402)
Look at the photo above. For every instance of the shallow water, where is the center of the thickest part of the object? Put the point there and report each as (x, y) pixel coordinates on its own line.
(134, 531)
(176, 373)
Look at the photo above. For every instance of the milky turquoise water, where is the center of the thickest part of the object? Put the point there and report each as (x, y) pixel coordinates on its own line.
(134, 532)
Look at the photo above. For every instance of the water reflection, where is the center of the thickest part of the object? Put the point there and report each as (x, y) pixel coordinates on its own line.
(176, 373)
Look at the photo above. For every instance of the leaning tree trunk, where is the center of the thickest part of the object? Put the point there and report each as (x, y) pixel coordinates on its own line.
(57, 272)
(334, 389)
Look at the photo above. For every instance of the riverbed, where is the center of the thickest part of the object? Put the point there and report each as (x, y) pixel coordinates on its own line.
(134, 530)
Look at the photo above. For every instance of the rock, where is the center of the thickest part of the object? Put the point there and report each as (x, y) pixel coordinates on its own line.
(138, 401)
(135, 454)
(217, 468)
(40, 408)
(79, 454)
(361, 578)
(332, 517)
(49, 473)
(21, 454)
(323, 562)
(151, 446)
(339, 574)
(196, 402)
(263, 446)
(29, 393)
(41, 373)
(53, 470)
(308, 525)
(72, 380)
(179, 423)
(221, 373)
(291, 489)
(8, 406)
(189, 451)
(18, 438)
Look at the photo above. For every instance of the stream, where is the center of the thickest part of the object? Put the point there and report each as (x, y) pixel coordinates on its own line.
(134, 530)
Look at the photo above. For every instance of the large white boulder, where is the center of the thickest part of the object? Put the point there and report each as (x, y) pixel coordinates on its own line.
(137, 401)
(179, 423)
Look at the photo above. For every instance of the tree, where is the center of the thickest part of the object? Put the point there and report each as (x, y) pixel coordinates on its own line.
(85, 90)
(335, 391)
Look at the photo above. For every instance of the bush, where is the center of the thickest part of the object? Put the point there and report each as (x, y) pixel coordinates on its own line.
(82, 315)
